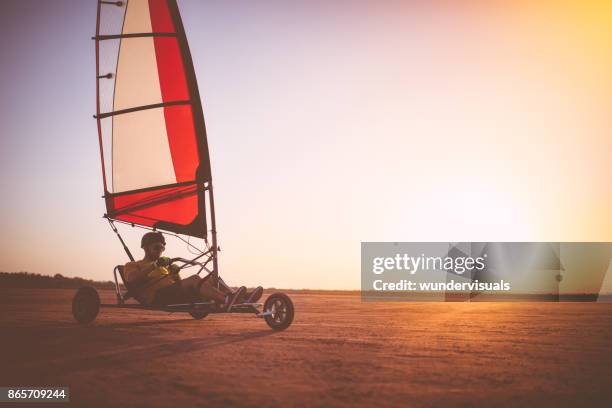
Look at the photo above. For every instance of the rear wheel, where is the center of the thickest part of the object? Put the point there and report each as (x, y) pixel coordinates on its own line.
(198, 314)
(282, 311)
(85, 305)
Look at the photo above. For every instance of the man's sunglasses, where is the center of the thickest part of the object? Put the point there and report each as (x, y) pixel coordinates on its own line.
(159, 245)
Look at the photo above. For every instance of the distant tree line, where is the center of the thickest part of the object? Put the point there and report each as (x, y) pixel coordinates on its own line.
(58, 281)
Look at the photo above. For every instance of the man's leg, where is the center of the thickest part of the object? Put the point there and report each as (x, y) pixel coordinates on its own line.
(201, 289)
(249, 297)
(205, 289)
(194, 289)
(209, 291)
(219, 284)
(174, 294)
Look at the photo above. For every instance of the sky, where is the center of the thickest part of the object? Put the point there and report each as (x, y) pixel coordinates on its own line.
(329, 123)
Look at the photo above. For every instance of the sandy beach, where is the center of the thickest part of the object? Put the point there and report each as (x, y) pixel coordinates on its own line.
(338, 352)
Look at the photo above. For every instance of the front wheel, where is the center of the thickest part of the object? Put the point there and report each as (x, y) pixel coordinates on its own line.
(281, 311)
(85, 305)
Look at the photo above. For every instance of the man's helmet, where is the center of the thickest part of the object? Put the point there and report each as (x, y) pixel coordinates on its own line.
(152, 237)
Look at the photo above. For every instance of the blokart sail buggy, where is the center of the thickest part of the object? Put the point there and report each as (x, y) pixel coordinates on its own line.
(149, 117)
(277, 310)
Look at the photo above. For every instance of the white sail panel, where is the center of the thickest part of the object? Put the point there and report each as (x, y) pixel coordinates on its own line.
(137, 82)
(137, 17)
(141, 153)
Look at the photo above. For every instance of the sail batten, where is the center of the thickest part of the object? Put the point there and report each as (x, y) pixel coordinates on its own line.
(145, 107)
(132, 35)
(151, 127)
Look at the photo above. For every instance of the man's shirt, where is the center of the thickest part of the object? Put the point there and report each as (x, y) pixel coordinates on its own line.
(158, 278)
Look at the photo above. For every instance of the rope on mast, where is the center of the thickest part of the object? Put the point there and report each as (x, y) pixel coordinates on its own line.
(127, 250)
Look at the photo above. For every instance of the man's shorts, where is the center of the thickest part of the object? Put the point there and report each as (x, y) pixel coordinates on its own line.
(171, 295)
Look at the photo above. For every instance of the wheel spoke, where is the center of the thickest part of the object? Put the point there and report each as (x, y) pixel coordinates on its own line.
(276, 311)
(272, 310)
(281, 312)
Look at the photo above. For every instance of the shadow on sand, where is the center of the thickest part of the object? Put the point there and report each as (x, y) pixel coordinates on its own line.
(144, 323)
(98, 347)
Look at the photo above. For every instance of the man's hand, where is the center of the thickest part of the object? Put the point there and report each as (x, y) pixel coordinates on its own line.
(162, 261)
(174, 269)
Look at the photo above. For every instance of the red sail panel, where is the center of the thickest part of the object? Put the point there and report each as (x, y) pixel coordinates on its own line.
(182, 139)
(161, 19)
(170, 69)
(172, 208)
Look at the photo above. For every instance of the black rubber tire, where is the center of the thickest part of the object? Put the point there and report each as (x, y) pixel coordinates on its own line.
(198, 314)
(85, 305)
(284, 320)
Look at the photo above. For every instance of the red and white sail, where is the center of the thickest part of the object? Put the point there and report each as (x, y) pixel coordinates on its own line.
(151, 127)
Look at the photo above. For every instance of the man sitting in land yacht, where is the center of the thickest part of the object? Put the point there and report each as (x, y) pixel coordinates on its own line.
(158, 283)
